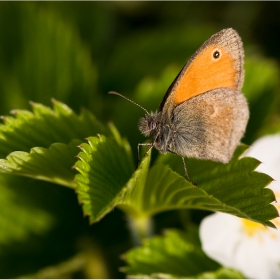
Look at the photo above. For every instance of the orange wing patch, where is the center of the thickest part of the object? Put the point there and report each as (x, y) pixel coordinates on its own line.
(205, 73)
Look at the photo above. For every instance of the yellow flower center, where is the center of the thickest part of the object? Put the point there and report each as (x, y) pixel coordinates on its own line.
(252, 228)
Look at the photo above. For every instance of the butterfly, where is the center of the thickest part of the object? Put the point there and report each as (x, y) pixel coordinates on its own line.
(203, 114)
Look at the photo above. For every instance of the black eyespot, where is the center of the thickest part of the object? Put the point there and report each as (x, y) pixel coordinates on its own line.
(216, 54)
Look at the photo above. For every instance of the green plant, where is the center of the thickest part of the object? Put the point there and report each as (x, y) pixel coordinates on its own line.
(56, 164)
(107, 178)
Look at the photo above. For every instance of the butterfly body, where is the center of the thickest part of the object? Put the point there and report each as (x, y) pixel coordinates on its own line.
(208, 127)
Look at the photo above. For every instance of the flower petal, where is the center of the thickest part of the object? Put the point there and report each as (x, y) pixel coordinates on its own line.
(251, 259)
(267, 150)
(225, 240)
(219, 237)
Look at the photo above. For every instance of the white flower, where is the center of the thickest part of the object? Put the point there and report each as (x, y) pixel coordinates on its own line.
(247, 246)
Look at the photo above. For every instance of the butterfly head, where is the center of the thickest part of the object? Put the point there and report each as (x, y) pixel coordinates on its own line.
(148, 124)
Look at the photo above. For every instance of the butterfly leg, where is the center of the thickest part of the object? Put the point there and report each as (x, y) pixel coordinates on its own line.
(185, 168)
(186, 173)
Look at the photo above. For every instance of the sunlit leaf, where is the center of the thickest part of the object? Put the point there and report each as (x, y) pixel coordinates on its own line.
(45, 126)
(105, 167)
(36, 143)
(53, 164)
(232, 188)
(177, 254)
(221, 273)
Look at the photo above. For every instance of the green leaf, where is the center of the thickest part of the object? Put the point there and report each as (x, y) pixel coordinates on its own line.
(105, 167)
(137, 189)
(177, 254)
(31, 141)
(232, 188)
(45, 126)
(53, 164)
(221, 273)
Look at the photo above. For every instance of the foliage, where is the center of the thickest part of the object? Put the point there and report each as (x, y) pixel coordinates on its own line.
(57, 165)
(177, 254)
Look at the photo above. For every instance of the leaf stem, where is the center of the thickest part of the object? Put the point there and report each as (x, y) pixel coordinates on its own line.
(140, 229)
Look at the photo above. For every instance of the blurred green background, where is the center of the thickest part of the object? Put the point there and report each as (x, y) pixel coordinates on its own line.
(76, 52)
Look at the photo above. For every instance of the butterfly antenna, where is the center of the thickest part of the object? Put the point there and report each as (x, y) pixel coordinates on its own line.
(116, 93)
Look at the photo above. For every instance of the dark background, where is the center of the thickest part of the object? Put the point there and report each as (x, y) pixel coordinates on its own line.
(78, 51)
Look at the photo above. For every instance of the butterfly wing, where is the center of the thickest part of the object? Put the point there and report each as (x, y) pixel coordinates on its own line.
(211, 125)
(217, 63)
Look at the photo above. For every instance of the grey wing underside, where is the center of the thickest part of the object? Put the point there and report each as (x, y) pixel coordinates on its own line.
(210, 125)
